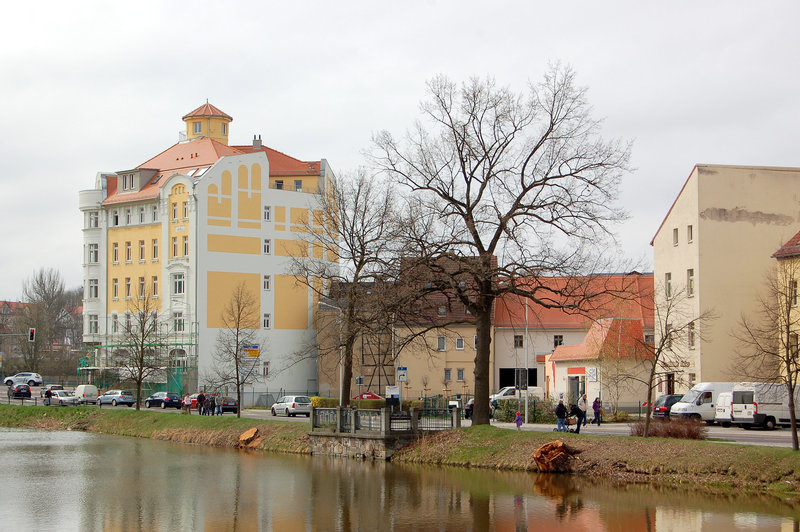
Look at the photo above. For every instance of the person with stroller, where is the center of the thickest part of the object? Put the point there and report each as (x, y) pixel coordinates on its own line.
(575, 410)
(561, 416)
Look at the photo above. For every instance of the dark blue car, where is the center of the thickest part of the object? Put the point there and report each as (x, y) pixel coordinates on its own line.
(164, 400)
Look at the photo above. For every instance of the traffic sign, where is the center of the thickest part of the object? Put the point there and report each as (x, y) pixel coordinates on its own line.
(251, 350)
(402, 374)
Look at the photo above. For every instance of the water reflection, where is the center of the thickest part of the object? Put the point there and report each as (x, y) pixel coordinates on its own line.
(77, 481)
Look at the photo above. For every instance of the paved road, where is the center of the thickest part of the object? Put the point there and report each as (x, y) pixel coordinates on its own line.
(733, 435)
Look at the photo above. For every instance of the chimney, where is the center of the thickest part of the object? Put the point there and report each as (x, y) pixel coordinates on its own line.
(256, 142)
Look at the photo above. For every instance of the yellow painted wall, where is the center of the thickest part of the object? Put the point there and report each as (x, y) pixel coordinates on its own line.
(280, 214)
(310, 183)
(178, 227)
(249, 200)
(209, 127)
(291, 248)
(134, 269)
(220, 287)
(292, 297)
(219, 201)
(234, 244)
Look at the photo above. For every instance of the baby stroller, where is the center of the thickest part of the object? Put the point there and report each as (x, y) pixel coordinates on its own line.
(569, 420)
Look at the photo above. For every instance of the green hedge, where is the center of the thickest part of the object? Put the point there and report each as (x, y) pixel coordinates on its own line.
(539, 410)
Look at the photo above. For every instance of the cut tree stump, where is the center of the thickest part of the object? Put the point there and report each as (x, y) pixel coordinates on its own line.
(554, 457)
(247, 436)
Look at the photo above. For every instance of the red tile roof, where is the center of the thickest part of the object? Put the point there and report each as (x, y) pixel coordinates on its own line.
(201, 153)
(207, 110)
(628, 296)
(614, 337)
(789, 249)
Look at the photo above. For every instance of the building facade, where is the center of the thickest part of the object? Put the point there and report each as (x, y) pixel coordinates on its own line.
(188, 226)
(713, 252)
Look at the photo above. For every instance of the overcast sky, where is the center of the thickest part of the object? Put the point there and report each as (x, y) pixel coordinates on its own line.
(101, 86)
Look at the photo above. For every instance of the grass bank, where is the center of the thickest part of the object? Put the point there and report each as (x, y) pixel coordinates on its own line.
(681, 462)
(219, 431)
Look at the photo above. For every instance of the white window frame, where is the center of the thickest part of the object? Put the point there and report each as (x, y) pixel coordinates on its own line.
(127, 288)
(448, 374)
(185, 210)
(141, 287)
(675, 236)
(668, 285)
(267, 213)
(127, 217)
(94, 288)
(141, 215)
(690, 282)
(690, 335)
(185, 246)
(115, 218)
(460, 374)
(689, 234)
(155, 249)
(298, 185)
(460, 344)
(267, 246)
(155, 286)
(267, 283)
(178, 283)
(267, 320)
(94, 253)
(127, 251)
(141, 251)
(93, 326)
(441, 343)
(174, 211)
(114, 288)
(94, 219)
(174, 246)
(793, 293)
(155, 213)
(521, 343)
(114, 323)
(197, 128)
(178, 323)
(115, 253)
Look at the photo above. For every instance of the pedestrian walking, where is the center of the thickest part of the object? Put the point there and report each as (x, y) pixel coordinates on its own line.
(219, 405)
(561, 416)
(207, 405)
(583, 405)
(597, 408)
(200, 400)
(187, 404)
(47, 395)
(578, 413)
(518, 420)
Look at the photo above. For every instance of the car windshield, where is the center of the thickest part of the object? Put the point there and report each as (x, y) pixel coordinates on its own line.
(125, 392)
(690, 396)
(302, 400)
(66, 394)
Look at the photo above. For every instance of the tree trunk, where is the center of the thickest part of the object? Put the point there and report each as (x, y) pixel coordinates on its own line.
(792, 416)
(480, 412)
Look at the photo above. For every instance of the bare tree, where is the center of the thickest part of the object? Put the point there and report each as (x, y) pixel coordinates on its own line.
(358, 216)
(142, 355)
(677, 330)
(509, 186)
(46, 309)
(768, 340)
(233, 365)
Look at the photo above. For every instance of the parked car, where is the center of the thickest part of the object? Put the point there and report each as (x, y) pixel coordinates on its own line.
(164, 400)
(229, 404)
(19, 390)
(86, 393)
(291, 405)
(31, 379)
(663, 405)
(51, 387)
(116, 397)
(63, 398)
(762, 404)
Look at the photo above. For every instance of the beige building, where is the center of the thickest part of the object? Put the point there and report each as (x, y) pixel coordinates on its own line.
(713, 251)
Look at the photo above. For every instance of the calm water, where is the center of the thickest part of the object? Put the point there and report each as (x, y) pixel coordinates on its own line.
(76, 481)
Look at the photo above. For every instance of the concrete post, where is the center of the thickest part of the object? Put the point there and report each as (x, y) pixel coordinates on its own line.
(338, 419)
(414, 420)
(386, 421)
(456, 413)
(311, 419)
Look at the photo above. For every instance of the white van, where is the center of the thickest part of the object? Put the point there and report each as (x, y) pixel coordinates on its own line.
(723, 409)
(86, 393)
(698, 403)
(762, 404)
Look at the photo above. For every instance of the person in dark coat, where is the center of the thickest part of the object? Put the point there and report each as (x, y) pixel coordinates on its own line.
(561, 416)
(597, 407)
(200, 400)
(574, 410)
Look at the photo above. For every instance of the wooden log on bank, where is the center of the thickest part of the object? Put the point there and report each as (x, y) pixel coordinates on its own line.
(554, 457)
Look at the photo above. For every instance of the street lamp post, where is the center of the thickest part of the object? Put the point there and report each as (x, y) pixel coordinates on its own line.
(341, 361)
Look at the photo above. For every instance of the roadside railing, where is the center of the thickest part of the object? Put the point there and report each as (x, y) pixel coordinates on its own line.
(384, 421)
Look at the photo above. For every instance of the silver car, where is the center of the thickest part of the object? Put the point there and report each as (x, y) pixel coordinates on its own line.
(31, 379)
(116, 397)
(63, 398)
(291, 405)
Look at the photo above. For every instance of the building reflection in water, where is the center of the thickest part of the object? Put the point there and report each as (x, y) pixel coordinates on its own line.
(127, 484)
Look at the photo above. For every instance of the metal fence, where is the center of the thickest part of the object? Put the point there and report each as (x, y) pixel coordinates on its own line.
(353, 420)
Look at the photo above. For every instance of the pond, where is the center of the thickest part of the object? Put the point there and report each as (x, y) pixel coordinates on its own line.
(89, 482)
